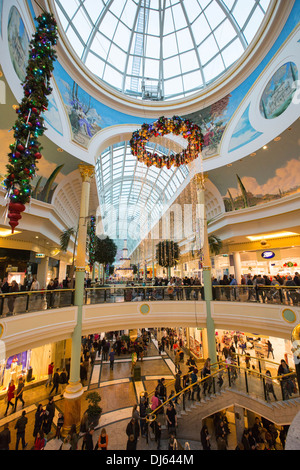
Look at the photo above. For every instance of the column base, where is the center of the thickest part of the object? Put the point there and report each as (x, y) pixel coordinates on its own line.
(72, 413)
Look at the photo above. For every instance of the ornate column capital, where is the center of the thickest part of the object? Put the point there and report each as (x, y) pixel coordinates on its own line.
(86, 172)
(200, 180)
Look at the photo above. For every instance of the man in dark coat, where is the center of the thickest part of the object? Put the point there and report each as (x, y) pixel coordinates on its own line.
(5, 437)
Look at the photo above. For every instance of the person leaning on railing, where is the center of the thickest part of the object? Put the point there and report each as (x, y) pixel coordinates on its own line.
(12, 298)
(288, 385)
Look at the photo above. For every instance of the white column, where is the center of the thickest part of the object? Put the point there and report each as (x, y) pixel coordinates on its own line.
(42, 272)
(239, 422)
(62, 270)
(237, 266)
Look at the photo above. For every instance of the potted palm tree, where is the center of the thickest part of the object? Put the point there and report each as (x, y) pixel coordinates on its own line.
(65, 238)
(93, 410)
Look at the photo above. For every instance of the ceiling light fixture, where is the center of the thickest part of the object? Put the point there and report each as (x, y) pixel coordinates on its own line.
(271, 236)
(4, 232)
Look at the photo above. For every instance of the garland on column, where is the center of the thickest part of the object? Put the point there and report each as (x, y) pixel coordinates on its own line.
(29, 126)
(92, 242)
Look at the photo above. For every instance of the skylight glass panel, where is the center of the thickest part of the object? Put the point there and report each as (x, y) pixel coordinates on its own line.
(168, 26)
(184, 40)
(215, 15)
(187, 59)
(251, 28)
(208, 49)
(172, 67)
(101, 45)
(214, 68)
(192, 80)
(170, 46)
(77, 45)
(152, 47)
(232, 53)
(82, 25)
(152, 69)
(122, 36)
(265, 4)
(117, 57)
(242, 10)
(116, 7)
(224, 34)
(131, 34)
(153, 23)
(143, 193)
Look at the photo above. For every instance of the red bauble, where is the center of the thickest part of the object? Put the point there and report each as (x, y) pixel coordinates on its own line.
(34, 110)
(17, 154)
(14, 214)
(38, 155)
(21, 147)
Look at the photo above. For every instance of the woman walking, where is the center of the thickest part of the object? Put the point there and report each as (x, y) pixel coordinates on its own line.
(10, 396)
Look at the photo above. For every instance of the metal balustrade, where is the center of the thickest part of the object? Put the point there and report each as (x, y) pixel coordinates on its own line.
(30, 301)
(229, 376)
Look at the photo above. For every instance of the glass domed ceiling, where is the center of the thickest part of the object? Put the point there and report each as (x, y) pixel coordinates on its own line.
(160, 49)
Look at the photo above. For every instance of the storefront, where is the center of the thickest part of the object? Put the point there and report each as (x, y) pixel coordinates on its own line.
(283, 261)
(195, 342)
(256, 345)
(32, 365)
(16, 264)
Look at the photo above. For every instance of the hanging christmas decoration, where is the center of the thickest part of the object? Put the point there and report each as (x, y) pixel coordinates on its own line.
(92, 242)
(163, 126)
(25, 152)
(167, 253)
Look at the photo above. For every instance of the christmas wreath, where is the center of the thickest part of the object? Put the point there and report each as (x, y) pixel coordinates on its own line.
(163, 126)
(25, 152)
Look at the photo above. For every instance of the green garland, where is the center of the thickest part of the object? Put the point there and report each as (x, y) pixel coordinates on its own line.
(92, 241)
(29, 126)
(163, 126)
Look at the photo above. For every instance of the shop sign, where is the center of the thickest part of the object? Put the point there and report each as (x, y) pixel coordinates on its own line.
(268, 254)
(40, 255)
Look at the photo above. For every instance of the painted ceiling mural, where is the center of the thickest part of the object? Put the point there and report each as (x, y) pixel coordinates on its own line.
(18, 43)
(279, 92)
(266, 176)
(87, 115)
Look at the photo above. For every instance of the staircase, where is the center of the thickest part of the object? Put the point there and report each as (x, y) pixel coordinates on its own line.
(190, 420)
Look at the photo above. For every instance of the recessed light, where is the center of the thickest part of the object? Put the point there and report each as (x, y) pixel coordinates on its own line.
(7, 232)
(253, 154)
(277, 139)
(36, 237)
(60, 150)
(265, 147)
(271, 235)
(229, 164)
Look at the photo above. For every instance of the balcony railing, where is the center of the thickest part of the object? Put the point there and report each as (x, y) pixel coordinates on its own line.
(229, 376)
(30, 301)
